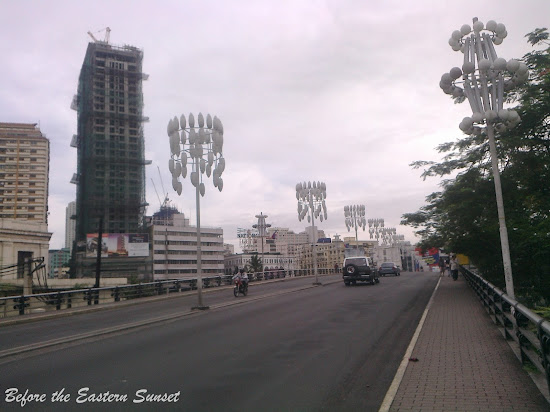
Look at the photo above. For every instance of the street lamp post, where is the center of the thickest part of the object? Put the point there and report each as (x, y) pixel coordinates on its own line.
(262, 231)
(200, 145)
(485, 77)
(355, 217)
(311, 202)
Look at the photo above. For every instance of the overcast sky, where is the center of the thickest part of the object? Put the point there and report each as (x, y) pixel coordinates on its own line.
(343, 92)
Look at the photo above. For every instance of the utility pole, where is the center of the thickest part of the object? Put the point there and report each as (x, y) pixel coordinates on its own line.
(98, 259)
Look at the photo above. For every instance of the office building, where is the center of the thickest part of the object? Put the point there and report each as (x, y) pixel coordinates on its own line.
(175, 247)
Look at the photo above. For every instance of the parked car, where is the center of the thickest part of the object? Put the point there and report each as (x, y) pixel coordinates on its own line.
(389, 268)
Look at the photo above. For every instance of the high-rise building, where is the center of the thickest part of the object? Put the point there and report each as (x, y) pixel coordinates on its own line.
(70, 225)
(110, 144)
(25, 162)
(24, 168)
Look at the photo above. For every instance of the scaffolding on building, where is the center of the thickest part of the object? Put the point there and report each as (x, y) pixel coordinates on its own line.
(110, 141)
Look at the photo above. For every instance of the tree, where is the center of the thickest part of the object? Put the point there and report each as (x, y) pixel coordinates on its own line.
(462, 216)
(255, 264)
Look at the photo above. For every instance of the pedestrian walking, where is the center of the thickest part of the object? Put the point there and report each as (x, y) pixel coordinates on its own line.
(441, 266)
(454, 267)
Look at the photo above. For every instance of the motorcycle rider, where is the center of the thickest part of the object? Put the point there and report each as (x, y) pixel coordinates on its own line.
(242, 278)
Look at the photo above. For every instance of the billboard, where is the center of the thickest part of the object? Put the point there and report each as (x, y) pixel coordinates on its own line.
(247, 233)
(118, 244)
(431, 256)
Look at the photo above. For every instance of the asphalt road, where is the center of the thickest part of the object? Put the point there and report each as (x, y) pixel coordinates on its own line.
(167, 306)
(318, 349)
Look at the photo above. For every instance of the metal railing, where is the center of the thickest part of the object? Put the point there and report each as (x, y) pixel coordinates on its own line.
(17, 305)
(529, 333)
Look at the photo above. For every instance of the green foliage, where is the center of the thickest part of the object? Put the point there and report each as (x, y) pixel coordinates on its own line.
(543, 312)
(255, 264)
(462, 217)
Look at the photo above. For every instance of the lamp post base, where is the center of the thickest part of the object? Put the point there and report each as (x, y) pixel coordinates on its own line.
(200, 307)
(317, 284)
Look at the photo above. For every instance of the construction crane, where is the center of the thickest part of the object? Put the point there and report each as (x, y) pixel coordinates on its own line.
(164, 193)
(107, 34)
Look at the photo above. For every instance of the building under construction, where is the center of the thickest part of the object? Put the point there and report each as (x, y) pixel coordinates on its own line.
(110, 144)
(110, 178)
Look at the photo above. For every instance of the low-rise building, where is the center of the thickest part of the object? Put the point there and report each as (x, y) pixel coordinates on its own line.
(59, 262)
(330, 256)
(174, 243)
(270, 261)
(228, 249)
(387, 253)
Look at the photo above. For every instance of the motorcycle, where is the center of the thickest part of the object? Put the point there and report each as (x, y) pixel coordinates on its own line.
(240, 287)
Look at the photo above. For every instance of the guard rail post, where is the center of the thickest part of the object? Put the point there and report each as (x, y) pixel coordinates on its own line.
(116, 294)
(58, 301)
(544, 338)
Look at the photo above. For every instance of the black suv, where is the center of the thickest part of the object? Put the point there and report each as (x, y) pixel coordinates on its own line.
(359, 269)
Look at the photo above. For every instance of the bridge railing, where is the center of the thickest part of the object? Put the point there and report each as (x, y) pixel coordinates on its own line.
(529, 333)
(11, 306)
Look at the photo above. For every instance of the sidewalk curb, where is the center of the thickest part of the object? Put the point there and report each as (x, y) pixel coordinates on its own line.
(392, 391)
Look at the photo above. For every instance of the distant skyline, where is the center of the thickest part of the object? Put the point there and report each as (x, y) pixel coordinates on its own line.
(346, 93)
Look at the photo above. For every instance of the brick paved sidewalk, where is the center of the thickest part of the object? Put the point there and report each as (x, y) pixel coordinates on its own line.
(464, 363)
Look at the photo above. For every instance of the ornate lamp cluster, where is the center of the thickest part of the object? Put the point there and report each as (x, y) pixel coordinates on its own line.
(397, 239)
(199, 144)
(387, 234)
(355, 217)
(375, 226)
(379, 232)
(311, 197)
(485, 76)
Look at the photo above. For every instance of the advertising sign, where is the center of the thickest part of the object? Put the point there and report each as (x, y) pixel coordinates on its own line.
(118, 244)
(246, 233)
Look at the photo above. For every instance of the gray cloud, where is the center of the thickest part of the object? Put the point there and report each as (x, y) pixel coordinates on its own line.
(342, 92)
